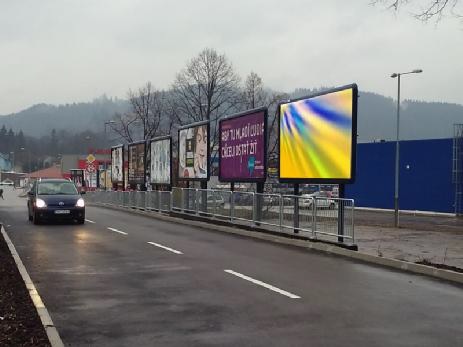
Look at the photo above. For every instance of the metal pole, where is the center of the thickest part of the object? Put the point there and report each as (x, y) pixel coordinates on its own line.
(397, 159)
(341, 213)
(259, 202)
(296, 208)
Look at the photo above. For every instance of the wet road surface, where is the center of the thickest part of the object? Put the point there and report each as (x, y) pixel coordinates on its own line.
(129, 280)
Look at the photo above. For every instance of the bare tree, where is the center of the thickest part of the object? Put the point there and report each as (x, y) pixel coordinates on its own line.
(272, 103)
(428, 9)
(206, 89)
(147, 117)
(254, 93)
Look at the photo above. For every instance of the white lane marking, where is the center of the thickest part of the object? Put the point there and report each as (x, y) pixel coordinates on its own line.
(90, 221)
(263, 284)
(118, 231)
(166, 248)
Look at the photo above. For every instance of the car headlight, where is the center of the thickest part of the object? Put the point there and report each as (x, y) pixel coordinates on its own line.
(80, 203)
(39, 203)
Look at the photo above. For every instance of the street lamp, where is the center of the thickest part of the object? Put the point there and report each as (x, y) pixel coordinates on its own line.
(105, 163)
(12, 160)
(29, 156)
(397, 153)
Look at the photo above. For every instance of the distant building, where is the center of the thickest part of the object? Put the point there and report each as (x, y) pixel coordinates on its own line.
(5, 162)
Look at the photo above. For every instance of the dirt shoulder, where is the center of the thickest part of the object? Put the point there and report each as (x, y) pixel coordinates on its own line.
(20, 324)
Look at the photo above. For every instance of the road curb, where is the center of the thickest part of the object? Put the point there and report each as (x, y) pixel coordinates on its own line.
(401, 265)
(408, 212)
(50, 329)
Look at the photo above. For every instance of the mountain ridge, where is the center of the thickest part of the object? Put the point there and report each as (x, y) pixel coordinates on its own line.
(376, 117)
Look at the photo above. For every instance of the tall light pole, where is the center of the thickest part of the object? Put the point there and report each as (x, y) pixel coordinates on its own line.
(12, 160)
(29, 157)
(397, 144)
(105, 164)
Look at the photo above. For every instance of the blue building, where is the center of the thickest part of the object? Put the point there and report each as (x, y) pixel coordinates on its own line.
(5, 163)
(426, 176)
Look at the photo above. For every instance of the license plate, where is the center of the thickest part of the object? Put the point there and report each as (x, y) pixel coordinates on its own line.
(62, 211)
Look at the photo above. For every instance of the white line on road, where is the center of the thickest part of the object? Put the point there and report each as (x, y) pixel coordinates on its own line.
(164, 247)
(263, 284)
(90, 221)
(117, 231)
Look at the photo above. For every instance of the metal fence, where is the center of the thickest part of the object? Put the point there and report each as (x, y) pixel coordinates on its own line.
(314, 217)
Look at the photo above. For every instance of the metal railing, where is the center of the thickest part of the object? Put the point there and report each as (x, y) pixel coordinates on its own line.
(313, 217)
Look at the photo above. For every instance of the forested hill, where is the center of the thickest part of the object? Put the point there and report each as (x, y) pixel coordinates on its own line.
(39, 119)
(377, 117)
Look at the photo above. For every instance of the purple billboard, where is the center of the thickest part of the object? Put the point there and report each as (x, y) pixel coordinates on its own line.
(242, 147)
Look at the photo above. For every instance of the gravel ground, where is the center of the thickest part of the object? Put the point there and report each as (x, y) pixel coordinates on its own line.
(440, 247)
(20, 324)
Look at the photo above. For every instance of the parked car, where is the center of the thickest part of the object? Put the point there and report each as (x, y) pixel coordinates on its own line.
(322, 197)
(55, 199)
(217, 198)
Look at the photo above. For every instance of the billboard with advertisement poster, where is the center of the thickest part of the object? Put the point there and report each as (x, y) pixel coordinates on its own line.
(136, 163)
(243, 147)
(318, 137)
(193, 152)
(161, 160)
(117, 164)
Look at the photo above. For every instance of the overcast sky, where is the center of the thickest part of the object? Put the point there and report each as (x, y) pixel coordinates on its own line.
(61, 51)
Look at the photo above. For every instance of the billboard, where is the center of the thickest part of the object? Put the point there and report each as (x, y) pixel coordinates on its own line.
(242, 147)
(117, 164)
(160, 161)
(317, 137)
(193, 152)
(136, 163)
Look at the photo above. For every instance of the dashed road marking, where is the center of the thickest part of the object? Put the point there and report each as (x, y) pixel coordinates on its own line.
(164, 247)
(90, 221)
(117, 231)
(263, 284)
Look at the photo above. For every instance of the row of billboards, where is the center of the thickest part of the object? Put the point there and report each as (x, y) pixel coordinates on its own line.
(317, 141)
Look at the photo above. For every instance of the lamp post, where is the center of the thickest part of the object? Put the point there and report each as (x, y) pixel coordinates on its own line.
(29, 157)
(397, 144)
(105, 163)
(12, 160)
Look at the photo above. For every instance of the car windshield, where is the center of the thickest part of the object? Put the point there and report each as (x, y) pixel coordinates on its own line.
(56, 188)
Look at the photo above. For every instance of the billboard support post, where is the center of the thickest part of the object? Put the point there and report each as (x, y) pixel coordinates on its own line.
(296, 208)
(341, 213)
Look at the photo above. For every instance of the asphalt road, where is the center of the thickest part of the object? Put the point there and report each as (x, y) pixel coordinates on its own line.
(194, 287)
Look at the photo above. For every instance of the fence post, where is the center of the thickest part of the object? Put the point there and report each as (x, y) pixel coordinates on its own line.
(232, 206)
(254, 208)
(353, 224)
(282, 211)
(183, 199)
(214, 208)
(196, 201)
(314, 217)
(296, 208)
(341, 213)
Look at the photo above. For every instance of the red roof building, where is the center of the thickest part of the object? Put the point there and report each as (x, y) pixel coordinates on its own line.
(51, 172)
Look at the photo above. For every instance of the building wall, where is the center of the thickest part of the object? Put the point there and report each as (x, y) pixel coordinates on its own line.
(425, 176)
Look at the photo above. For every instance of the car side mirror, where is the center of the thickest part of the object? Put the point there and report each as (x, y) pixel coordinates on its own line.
(82, 192)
